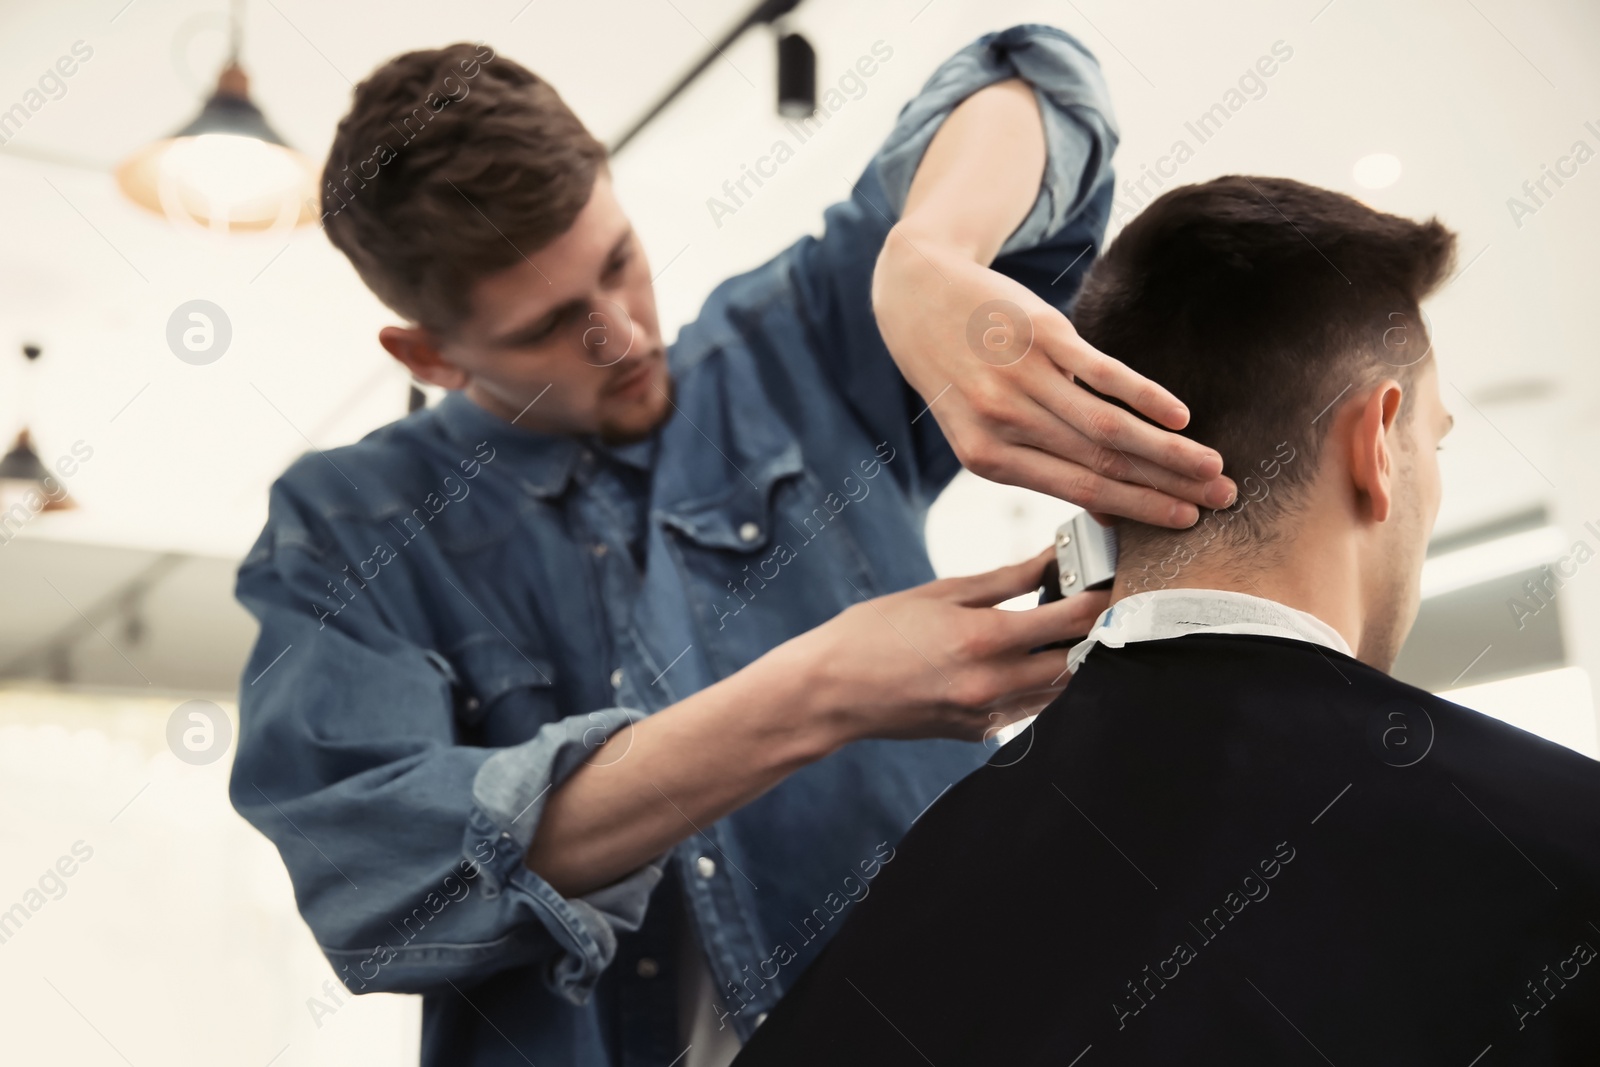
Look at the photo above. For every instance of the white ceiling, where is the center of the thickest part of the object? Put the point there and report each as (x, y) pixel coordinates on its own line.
(1472, 96)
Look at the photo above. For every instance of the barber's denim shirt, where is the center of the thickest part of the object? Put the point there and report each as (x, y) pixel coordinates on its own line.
(456, 613)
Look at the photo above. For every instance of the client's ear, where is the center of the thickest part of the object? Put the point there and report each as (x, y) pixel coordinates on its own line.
(419, 351)
(1372, 461)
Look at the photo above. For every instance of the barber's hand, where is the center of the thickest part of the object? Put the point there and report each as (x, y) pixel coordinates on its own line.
(939, 660)
(1000, 369)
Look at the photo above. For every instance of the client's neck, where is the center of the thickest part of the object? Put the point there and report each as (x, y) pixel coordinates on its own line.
(1319, 575)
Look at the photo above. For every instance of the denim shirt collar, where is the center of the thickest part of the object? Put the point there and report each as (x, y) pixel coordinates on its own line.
(747, 447)
(544, 461)
(729, 447)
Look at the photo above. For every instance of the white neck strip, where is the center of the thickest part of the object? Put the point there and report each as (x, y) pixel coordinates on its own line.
(1163, 613)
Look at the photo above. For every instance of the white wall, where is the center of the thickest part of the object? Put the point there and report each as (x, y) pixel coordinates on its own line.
(174, 940)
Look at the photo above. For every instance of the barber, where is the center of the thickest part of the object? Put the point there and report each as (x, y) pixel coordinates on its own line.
(578, 696)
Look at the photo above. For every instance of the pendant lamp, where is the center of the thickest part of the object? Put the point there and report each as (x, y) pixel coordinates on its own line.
(24, 479)
(227, 170)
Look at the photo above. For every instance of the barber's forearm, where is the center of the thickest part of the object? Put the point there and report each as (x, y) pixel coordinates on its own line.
(978, 179)
(654, 782)
(867, 672)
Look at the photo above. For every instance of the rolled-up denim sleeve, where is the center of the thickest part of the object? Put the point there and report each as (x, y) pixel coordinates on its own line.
(832, 275)
(404, 846)
(509, 792)
(1075, 105)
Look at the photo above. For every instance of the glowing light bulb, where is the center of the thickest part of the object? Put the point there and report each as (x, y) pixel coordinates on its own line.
(225, 176)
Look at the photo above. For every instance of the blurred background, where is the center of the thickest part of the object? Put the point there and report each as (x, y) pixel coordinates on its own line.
(155, 927)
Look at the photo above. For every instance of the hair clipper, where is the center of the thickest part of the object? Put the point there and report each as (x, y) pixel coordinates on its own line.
(1086, 558)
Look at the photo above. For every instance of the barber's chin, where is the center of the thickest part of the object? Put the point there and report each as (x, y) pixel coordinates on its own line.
(635, 412)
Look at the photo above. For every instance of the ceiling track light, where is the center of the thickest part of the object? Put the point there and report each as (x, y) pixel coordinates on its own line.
(765, 13)
(797, 77)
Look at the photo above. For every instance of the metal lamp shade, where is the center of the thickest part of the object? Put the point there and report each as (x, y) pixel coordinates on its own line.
(21, 470)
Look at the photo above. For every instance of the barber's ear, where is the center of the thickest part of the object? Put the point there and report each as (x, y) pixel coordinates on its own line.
(419, 351)
(1372, 461)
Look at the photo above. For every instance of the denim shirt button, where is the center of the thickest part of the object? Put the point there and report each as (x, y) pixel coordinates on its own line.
(749, 532)
(648, 968)
(616, 678)
(706, 866)
(761, 1018)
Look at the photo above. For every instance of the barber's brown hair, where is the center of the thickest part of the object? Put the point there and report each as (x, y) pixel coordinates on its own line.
(1259, 302)
(452, 163)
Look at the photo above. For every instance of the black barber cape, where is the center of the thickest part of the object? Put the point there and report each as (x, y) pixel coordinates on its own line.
(1238, 850)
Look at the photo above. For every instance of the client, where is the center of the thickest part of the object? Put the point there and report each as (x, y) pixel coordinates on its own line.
(1235, 839)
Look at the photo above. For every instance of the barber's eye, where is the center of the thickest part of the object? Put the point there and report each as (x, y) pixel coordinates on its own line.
(551, 328)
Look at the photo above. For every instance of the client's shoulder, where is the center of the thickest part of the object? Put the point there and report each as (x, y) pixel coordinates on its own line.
(1261, 715)
(1552, 789)
(1272, 690)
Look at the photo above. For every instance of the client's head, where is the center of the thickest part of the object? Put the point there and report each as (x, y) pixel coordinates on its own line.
(1288, 319)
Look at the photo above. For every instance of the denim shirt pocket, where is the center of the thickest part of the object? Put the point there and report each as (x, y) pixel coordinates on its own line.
(759, 570)
(505, 693)
(745, 527)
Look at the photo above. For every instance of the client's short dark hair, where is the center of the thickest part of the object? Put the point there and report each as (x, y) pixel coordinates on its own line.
(1257, 301)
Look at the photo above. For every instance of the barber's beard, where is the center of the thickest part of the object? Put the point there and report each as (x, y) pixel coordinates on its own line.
(638, 421)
